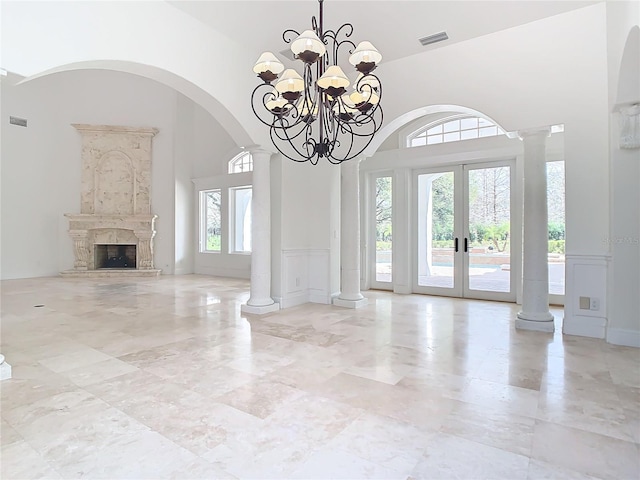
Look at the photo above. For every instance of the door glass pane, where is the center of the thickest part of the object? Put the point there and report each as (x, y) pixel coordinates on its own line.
(555, 204)
(212, 221)
(489, 255)
(383, 229)
(435, 230)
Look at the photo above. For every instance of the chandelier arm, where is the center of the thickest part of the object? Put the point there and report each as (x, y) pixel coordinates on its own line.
(346, 30)
(287, 39)
(369, 119)
(308, 144)
(305, 156)
(267, 96)
(283, 133)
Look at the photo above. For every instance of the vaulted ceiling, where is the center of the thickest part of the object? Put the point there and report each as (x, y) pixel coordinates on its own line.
(393, 26)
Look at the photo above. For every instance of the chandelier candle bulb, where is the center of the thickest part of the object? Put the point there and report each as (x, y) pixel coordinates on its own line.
(290, 104)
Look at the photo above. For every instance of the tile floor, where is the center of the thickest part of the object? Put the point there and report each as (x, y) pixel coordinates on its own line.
(165, 378)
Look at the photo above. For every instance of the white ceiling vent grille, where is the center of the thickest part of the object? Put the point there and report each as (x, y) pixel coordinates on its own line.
(435, 38)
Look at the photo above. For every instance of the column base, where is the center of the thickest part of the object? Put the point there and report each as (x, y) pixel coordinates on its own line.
(5, 369)
(260, 310)
(539, 322)
(339, 302)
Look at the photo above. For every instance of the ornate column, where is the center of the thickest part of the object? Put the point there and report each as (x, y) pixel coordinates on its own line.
(260, 300)
(350, 295)
(144, 252)
(80, 248)
(535, 313)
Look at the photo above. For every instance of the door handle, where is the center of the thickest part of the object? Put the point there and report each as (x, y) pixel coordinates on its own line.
(455, 244)
(466, 245)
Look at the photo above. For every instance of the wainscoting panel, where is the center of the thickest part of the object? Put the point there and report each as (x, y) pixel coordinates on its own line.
(587, 281)
(305, 277)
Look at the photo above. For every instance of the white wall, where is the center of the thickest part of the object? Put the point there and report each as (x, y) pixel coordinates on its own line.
(41, 164)
(624, 239)
(306, 246)
(183, 154)
(153, 39)
(212, 147)
(543, 73)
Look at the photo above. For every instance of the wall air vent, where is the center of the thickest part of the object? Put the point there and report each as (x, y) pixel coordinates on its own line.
(435, 38)
(21, 122)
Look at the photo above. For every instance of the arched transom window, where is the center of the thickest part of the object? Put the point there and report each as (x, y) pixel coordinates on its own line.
(453, 130)
(241, 163)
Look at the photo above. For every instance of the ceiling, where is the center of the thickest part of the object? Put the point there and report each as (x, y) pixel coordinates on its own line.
(393, 26)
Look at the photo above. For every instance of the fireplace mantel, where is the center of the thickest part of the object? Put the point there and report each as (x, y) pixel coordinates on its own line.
(87, 221)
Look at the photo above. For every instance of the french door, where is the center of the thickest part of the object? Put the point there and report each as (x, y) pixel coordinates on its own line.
(463, 231)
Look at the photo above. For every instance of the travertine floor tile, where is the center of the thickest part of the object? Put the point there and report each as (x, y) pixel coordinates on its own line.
(166, 378)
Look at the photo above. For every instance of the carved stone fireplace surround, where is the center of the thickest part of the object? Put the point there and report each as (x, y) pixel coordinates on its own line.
(115, 199)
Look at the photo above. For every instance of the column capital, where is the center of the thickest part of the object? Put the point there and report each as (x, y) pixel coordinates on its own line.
(543, 132)
(258, 150)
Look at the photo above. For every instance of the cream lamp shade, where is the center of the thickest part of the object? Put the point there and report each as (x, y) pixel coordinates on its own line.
(290, 84)
(365, 57)
(308, 47)
(364, 97)
(334, 81)
(268, 67)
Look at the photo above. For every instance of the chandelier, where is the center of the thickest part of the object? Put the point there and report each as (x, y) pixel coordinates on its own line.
(315, 115)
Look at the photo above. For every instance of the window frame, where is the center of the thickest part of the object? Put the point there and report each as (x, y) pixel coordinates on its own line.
(241, 160)
(481, 125)
(203, 214)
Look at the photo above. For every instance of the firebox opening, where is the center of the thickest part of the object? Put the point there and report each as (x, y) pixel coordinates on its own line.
(115, 256)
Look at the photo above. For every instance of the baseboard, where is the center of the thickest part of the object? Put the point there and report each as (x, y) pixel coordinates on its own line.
(584, 326)
(320, 298)
(223, 272)
(402, 289)
(298, 298)
(183, 271)
(621, 336)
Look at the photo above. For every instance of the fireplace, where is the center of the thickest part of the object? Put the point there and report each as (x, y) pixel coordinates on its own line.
(114, 256)
(113, 233)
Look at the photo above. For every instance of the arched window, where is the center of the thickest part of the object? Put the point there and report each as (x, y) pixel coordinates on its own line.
(241, 163)
(453, 130)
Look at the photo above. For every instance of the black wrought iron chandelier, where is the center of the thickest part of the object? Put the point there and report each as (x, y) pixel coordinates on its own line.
(315, 116)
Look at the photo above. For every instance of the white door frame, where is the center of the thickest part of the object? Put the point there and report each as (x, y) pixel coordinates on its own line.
(461, 232)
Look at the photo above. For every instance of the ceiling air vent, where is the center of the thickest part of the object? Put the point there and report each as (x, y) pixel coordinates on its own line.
(436, 37)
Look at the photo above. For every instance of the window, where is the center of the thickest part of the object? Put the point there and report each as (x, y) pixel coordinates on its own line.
(241, 163)
(556, 218)
(211, 224)
(240, 218)
(453, 131)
